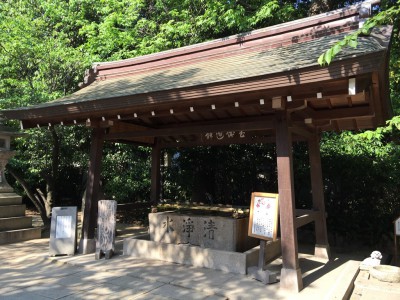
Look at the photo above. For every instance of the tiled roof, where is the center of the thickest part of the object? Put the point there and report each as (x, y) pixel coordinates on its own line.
(236, 65)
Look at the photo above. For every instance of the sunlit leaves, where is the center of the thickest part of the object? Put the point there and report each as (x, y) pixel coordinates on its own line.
(384, 17)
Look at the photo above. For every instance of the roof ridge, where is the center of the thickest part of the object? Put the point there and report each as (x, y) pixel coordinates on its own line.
(253, 34)
(284, 28)
(287, 40)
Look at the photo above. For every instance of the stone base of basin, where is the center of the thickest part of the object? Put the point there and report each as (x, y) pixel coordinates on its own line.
(385, 273)
(206, 231)
(228, 261)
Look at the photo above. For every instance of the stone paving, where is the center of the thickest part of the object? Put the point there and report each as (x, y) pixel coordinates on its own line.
(27, 272)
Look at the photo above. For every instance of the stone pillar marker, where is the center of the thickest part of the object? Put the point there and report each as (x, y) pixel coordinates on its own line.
(106, 222)
(5, 155)
(15, 226)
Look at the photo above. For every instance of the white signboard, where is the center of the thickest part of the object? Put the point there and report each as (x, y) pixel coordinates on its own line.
(397, 226)
(63, 230)
(263, 216)
(64, 227)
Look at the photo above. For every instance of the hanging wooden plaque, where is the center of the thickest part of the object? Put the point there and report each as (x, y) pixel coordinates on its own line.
(264, 216)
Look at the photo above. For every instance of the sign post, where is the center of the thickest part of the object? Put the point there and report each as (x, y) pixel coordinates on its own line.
(263, 224)
(396, 234)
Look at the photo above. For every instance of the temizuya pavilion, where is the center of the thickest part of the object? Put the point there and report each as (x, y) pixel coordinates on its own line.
(256, 87)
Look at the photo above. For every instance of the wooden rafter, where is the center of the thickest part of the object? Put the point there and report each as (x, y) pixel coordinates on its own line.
(165, 131)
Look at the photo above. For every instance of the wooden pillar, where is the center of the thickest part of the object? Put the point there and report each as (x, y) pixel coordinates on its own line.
(87, 243)
(155, 173)
(291, 278)
(322, 249)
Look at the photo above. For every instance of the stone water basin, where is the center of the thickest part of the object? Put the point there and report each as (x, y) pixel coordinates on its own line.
(215, 230)
(385, 273)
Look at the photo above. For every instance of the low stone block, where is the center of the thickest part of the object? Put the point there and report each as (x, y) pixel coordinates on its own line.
(233, 262)
(265, 276)
(13, 223)
(13, 236)
(12, 211)
(10, 199)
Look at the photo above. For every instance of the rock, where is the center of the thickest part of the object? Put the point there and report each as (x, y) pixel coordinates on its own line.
(386, 273)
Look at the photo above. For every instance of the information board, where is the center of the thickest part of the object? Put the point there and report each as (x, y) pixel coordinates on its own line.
(397, 226)
(63, 230)
(63, 227)
(264, 216)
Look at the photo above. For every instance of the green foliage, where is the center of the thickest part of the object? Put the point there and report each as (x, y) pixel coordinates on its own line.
(37, 62)
(388, 16)
(126, 173)
(362, 172)
(34, 160)
(225, 175)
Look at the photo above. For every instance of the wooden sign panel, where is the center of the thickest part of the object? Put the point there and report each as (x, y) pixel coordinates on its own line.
(263, 216)
(106, 225)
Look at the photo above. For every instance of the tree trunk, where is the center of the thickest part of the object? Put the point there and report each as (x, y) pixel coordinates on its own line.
(51, 190)
(48, 204)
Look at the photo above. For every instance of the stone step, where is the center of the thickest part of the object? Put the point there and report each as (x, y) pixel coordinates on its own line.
(13, 236)
(12, 211)
(10, 199)
(14, 223)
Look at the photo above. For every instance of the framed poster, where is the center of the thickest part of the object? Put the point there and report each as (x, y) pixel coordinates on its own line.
(263, 222)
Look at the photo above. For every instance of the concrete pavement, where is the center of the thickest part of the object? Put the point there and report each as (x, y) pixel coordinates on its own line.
(27, 272)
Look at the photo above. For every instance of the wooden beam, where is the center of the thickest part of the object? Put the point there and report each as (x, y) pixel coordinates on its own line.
(126, 127)
(87, 244)
(302, 131)
(99, 123)
(204, 106)
(291, 108)
(291, 278)
(305, 216)
(187, 130)
(375, 97)
(200, 141)
(155, 173)
(317, 187)
(342, 113)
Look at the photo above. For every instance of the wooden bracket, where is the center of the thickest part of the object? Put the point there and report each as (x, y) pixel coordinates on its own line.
(278, 103)
(101, 124)
(297, 108)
